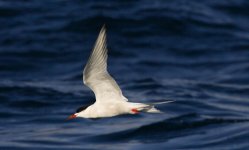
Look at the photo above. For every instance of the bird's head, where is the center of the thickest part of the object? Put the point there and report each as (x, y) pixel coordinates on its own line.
(78, 113)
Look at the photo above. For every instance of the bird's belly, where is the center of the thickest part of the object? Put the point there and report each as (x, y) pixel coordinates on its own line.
(109, 110)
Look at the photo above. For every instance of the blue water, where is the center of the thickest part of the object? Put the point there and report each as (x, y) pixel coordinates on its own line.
(193, 52)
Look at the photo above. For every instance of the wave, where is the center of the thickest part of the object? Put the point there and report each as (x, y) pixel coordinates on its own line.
(167, 129)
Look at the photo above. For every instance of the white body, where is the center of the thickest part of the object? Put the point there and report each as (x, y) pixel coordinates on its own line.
(110, 109)
(109, 98)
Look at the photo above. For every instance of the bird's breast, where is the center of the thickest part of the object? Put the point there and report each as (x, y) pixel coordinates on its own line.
(108, 110)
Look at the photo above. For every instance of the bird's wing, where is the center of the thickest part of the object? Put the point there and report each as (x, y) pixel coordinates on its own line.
(96, 76)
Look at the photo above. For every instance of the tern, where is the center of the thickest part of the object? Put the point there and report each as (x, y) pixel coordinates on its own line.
(109, 98)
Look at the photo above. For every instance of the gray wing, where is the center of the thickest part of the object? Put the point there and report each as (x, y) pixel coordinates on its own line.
(96, 76)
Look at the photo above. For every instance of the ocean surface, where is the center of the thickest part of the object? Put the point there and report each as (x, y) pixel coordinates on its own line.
(193, 52)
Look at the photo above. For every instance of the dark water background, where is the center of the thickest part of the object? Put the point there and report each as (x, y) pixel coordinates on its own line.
(194, 52)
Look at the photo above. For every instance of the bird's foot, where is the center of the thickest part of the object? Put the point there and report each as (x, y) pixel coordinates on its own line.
(134, 111)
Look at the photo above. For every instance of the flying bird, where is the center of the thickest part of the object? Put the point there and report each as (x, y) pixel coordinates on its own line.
(109, 98)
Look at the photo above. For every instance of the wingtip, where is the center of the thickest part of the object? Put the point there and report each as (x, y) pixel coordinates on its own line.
(103, 28)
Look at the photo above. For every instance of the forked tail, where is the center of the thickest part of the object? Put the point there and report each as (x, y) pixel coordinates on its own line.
(148, 107)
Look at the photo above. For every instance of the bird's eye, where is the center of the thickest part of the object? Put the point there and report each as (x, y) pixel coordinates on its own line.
(81, 108)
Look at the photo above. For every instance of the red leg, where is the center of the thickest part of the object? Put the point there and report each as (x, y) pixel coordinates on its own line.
(134, 110)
